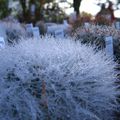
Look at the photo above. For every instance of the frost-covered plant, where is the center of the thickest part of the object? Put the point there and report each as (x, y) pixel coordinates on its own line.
(99, 30)
(95, 35)
(56, 79)
(92, 39)
(12, 32)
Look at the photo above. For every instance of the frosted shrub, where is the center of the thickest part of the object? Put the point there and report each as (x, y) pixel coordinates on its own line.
(11, 32)
(91, 39)
(95, 35)
(88, 35)
(50, 79)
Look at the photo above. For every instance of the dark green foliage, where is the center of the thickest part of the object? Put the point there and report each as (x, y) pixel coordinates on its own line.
(4, 10)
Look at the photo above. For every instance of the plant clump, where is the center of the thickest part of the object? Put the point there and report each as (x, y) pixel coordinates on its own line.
(56, 79)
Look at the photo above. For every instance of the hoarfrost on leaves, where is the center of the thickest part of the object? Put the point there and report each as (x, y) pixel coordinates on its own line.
(56, 79)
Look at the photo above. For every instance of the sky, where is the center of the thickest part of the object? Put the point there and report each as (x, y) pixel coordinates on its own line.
(91, 7)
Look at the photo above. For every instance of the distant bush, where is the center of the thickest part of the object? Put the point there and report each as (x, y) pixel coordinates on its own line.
(95, 35)
(56, 79)
(101, 20)
(12, 32)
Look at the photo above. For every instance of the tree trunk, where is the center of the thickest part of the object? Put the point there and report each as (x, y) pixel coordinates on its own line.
(23, 4)
(76, 5)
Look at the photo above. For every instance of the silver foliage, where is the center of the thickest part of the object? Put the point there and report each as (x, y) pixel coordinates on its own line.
(53, 79)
